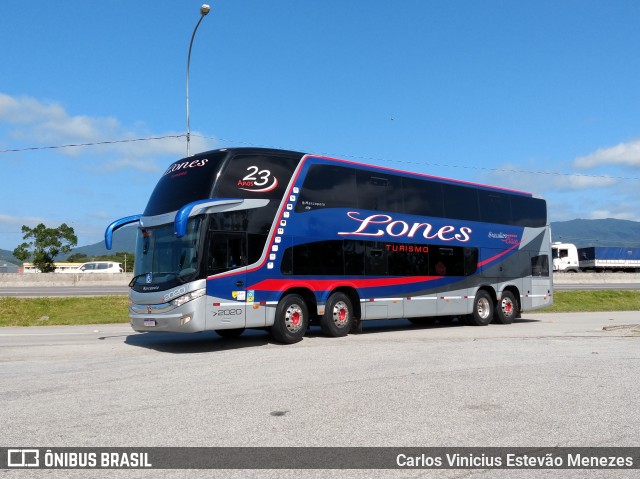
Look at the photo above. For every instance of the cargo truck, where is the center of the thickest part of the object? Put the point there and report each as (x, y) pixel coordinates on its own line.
(601, 258)
(567, 258)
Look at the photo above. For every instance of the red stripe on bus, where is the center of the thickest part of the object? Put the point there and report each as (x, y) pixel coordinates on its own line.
(493, 258)
(329, 284)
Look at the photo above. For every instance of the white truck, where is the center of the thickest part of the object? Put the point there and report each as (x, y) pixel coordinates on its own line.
(565, 257)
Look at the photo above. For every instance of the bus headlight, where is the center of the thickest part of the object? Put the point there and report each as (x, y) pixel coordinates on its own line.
(185, 298)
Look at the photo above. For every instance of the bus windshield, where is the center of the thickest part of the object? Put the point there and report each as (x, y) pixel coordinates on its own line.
(162, 260)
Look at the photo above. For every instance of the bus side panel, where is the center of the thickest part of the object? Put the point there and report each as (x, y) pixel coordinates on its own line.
(456, 302)
(421, 306)
(373, 310)
(538, 294)
(226, 302)
(256, 314)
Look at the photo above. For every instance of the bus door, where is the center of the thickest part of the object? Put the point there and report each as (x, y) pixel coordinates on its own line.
(226, 295)
(540, 292)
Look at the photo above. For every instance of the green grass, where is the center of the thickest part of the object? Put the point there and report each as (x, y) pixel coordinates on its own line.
(63, 311)
(597, 300)
(114, 309)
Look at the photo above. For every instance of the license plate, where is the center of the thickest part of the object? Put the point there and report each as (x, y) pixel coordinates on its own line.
(149, 322)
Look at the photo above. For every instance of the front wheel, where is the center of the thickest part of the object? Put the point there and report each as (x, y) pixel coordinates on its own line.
(338, 316)
(482, 310)
(291, 321)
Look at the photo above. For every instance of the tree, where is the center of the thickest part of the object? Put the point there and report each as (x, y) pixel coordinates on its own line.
(47, 243)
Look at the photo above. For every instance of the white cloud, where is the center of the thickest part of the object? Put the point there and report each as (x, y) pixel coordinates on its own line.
(572, 196)
(28, 110)
(625, 154)
(48, 123)
(618, 213)
(20, 220)
(579, 182)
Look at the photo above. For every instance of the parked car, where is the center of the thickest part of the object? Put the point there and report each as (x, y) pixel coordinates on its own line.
(100, 267)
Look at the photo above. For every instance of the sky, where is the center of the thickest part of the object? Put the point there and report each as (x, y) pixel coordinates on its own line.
(541, 96)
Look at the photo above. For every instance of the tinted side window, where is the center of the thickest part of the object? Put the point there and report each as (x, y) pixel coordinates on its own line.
(446, 261)
(256, 222)
(540, 265)
(461, 202)
(528, 211)
(422, 198)
(259, 220)
(321, 258)
(354, 258)
(470, 260)
(378, 191)
(328, 186)
(256, 176)
(495, 207)
(375, 259)
(407, 260)
(370, 258)
(186, 180)
(255, 246)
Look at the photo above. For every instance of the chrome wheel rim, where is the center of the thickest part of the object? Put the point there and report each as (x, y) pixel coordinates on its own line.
(483, 308)
(294, 318)
(507, 307)
(340, 314)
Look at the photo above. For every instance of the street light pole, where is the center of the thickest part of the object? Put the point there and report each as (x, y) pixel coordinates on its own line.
(204, 9)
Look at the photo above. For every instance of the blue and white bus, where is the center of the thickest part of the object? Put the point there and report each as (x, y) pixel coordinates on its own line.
(243, 238)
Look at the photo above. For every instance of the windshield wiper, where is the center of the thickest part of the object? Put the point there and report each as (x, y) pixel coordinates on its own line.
(180, 279)
(133, 280)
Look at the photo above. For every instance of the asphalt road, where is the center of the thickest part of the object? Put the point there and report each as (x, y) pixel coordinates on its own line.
(546, 380)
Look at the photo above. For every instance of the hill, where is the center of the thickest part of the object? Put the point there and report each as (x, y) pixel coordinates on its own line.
(124, 240)
(6, 256)
(606, 232)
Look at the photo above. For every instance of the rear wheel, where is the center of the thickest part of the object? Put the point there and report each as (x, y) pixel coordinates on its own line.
(291, 321)
(338, 316)
(506, 308)
(482, 310)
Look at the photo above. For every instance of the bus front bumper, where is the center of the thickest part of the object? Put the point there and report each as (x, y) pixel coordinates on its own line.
(188, 318)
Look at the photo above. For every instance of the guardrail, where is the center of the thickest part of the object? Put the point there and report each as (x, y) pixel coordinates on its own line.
(591, 278)
(63, 279)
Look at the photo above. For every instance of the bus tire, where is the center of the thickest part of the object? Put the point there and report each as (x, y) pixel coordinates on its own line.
(338, 316)
(506, 308)
(230, 333)
(291, 321)
(482, 310)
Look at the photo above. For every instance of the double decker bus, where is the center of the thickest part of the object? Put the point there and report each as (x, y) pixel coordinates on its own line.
(243, 238)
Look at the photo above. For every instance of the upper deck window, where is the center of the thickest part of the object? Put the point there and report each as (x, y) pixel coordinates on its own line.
(186, 180)
(338, 186)
(232, 173)
(263, 176)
